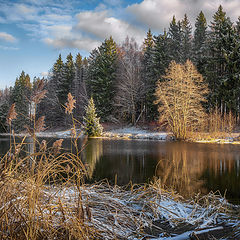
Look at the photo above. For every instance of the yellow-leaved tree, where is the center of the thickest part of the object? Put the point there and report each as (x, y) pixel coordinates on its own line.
(180, 98)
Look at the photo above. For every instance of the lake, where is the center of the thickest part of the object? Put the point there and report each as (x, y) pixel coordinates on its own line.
(188, 168)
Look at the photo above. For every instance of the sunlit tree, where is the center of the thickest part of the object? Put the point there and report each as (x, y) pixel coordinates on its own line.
(180, 98)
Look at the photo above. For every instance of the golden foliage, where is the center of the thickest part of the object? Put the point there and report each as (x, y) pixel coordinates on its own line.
(180, 98)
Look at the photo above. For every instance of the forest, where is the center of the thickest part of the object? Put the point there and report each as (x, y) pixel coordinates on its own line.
(122, 78)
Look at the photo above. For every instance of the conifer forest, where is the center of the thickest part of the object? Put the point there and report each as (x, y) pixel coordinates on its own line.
(122, 78)
(142, 134)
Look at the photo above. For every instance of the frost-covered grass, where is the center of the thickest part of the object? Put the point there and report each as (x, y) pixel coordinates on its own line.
(46, 199)
(135, 133)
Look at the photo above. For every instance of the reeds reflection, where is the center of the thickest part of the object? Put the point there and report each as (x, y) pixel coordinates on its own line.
(199, 168)
(188, 168)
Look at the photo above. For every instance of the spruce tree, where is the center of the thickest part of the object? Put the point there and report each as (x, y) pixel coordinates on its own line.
(66, 81)
(79, 86)
(147, 74)
(174, 32)
(186, 42)
(51, 107)
(200, 50)
(159, 62)
(4, 108)
(21, 97)
(102, 77)
(92, 127)
(238, 26)
(222, 70)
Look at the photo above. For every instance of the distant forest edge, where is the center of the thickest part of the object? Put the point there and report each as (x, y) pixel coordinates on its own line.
(122, 79)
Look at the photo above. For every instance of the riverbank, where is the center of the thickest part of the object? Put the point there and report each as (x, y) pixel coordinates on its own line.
(134, 133)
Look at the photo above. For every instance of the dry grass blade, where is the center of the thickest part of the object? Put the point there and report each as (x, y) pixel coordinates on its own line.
(40, 124)
(43, 146)
(11, 114)
(38, 96)
(70, 104)
(57, 146)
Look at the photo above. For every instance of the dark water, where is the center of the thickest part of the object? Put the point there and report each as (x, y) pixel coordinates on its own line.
(189, 168)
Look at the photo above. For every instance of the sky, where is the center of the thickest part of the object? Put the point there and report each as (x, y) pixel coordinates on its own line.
(34, 32)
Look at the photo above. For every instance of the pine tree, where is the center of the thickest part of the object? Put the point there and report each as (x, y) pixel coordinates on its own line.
(92, 127)
(66, 81)
(50, 106)
(102, 77)
(174, 32)
(222, 70)
(200, 43)
(186, 39)
(79, 86)
(159, 62)
(147, 74)
(4, 108)
(21, 97)
(238, 26)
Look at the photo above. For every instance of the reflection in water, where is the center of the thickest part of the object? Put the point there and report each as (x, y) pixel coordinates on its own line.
(93, 150)
(188, 168)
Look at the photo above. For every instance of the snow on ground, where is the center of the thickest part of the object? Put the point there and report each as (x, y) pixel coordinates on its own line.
(135, 133)
(121, 213)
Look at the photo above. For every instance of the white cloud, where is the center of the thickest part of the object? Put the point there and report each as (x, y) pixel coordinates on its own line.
(8, 48)
(101, 26)
(81, 43)
(158, 14)
(7, 37)
(44, 74)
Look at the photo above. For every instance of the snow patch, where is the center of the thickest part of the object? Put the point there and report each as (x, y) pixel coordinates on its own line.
(135, 133)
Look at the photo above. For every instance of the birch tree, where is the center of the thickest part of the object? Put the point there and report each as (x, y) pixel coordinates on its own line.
(129, 84)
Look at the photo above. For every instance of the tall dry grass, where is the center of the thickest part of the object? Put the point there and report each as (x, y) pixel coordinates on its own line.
(43, 196)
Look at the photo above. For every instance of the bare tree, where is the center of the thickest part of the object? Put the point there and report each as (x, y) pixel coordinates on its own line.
(129, 89)
(180, 98)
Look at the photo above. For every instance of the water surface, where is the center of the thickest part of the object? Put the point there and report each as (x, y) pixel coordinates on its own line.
(188, 168)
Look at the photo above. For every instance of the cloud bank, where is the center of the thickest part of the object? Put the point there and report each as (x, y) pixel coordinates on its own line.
(64, 24)
(7, 37)
(157, 14)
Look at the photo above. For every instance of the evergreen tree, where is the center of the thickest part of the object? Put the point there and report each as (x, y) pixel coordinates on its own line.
(238, 26)
(200, 43)
(21, 97)
(175, 35)
(147, 74)
(101, 77)
(186, 39)
(223, 62)
(79, 86)
(50, 106)
(160, 56)
(159, 62)
(66, 81)
(92, 127)
(4, 108)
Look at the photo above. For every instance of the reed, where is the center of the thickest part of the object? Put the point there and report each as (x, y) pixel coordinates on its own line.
(43, 196)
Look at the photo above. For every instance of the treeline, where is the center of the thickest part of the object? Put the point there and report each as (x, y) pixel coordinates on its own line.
(122, 78)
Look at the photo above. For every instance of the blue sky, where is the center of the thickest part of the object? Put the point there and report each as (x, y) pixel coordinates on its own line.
(34, 32)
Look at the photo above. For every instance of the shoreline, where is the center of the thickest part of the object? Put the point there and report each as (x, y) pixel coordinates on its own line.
(133, 133)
